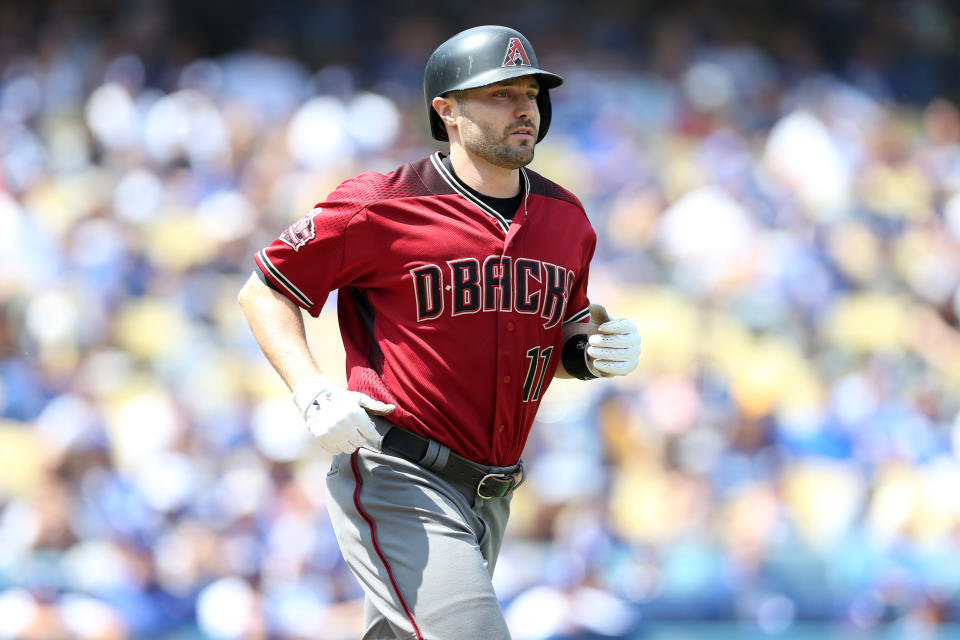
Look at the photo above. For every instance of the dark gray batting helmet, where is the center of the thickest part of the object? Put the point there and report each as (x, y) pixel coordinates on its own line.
(481, 56)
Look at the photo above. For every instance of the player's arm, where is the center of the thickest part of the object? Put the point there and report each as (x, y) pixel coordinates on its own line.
(336, 416)
(601, 348)
(277, 325)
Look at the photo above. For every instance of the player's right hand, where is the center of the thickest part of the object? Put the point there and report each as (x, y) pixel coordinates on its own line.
(337, 417)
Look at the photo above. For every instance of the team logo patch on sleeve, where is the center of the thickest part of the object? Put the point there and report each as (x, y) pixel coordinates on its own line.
(516, 55)
(299, 233)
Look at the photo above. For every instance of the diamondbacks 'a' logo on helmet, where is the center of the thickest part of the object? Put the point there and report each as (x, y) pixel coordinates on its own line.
(300, 232)
(515, 56)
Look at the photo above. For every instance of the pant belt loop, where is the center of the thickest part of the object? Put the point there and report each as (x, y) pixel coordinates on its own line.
(381, 426)
(436, 456)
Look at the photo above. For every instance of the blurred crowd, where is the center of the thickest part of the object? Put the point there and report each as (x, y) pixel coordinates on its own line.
(779, 214)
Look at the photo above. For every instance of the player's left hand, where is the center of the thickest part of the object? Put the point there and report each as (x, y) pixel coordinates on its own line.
(615, 349)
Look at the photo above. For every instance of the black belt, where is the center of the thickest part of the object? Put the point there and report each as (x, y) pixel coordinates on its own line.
(488, 482)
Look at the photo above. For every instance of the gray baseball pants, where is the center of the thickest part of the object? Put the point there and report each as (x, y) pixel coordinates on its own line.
(422, 548)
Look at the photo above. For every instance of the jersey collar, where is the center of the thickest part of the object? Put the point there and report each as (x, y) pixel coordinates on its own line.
(460, 188)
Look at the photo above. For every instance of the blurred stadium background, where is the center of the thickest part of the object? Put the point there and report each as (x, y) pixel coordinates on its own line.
(776, 187)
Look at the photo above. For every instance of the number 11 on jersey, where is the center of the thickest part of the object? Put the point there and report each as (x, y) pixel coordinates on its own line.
(535, 355)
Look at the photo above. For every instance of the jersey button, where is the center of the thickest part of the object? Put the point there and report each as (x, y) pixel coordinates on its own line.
(510, 326)
(501, 429)
(506, 379)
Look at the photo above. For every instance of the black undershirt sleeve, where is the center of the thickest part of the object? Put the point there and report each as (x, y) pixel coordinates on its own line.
(266, 281)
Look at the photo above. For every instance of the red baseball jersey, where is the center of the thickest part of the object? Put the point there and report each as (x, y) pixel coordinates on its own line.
(446, 309)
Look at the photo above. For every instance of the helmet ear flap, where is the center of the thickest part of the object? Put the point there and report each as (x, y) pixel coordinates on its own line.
(546, 112)
(437, 128)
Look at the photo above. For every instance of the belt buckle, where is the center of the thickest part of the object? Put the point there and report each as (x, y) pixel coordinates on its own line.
(504, 483)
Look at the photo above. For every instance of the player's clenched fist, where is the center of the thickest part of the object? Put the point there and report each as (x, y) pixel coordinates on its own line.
(337, 417)
(614, 348)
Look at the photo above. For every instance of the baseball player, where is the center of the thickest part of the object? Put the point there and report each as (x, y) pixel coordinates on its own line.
(462, 292)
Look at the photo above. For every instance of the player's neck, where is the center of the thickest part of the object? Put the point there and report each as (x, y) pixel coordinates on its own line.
(480, 175)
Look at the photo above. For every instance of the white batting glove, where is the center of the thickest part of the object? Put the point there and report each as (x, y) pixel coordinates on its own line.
(336, 416)
(615, 349)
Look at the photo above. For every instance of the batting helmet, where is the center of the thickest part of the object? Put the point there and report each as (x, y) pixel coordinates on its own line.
(481, 56)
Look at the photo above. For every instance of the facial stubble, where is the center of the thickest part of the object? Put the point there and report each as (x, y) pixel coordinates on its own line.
(495, 148)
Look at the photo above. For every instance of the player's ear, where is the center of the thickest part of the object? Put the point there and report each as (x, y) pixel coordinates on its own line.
(444, 106)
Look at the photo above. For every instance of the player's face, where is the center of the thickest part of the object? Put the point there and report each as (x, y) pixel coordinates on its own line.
(499, 122)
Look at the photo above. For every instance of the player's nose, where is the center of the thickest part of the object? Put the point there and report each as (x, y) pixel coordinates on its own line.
(525, 108)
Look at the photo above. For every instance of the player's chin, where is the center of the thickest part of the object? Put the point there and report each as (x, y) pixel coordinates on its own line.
(521, 155)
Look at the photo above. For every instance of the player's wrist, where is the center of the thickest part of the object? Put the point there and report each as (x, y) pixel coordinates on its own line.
(576, 360)
(307, 390)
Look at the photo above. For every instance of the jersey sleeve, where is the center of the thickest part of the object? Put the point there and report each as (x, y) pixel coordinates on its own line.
(578, 308)
(312, 257)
